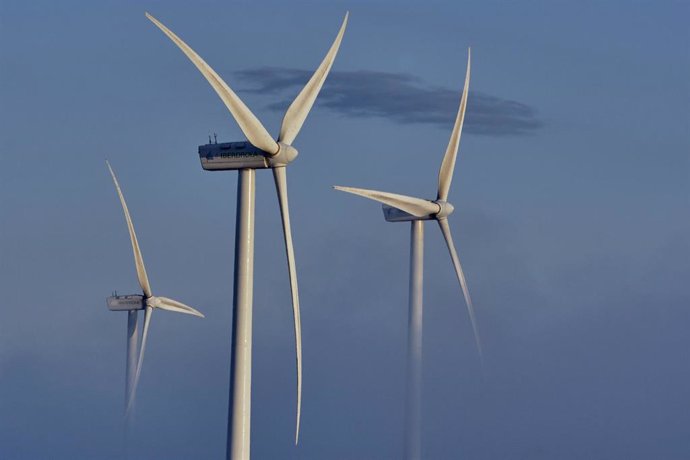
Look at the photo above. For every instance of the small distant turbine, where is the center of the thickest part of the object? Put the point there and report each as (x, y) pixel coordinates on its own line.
(401, 208)
(133, 303)
(261, 152)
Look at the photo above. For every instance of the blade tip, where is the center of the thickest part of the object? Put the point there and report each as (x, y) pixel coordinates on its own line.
(112, 173)
(297, 431)
(195, 312)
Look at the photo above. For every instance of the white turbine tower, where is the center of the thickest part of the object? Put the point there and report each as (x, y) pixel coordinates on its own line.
(401, 208)
(133, 303)
(261, 152)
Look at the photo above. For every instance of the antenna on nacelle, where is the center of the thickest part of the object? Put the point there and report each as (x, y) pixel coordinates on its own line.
(209, 138)
(215, 137)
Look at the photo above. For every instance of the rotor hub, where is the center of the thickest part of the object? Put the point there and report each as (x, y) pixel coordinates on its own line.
(446, 209)
(286, 154)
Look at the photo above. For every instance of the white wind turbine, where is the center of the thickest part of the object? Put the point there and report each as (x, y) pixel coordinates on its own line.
(401, 208)
(261, 152)
(133, 303)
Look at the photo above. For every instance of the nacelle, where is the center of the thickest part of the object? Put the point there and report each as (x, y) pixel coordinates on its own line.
(232, 155)
(392, 214)
(126, 302)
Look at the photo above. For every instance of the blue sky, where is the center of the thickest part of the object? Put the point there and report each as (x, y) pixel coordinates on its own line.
(573, 230)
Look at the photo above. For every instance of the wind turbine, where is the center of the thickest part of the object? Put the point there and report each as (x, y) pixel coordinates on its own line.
(261, 152)
(133, 303)
(401, 208)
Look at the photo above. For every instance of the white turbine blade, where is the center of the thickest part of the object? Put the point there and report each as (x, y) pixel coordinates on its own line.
(445, 175)
(299, 109)
(249, 124)
(165, 303)
(138, 259)
(415, 206)
(279, 175)
(147, 321)
(445, 229)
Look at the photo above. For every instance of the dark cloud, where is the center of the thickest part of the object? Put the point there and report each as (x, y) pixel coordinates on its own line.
(402, 98)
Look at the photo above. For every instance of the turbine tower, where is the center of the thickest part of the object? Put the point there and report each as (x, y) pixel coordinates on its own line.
(401, 208)
(261, 152)
(132, 304)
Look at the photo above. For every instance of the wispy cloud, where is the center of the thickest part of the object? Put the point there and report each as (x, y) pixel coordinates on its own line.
(398, 97)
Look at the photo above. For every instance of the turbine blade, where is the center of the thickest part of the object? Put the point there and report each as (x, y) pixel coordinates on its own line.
(147, 321)
(249, 124)
(138, 259)
(165, 303)
(280, 177)
(299, 109)
(415, 206)
(445, 175)
(445, 229)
